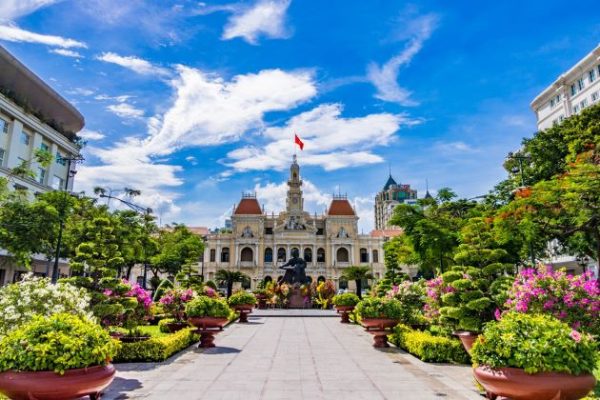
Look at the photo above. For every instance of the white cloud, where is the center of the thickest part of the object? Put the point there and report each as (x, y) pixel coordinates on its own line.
(125, 111)
(66, 53)
(364, 207)
(264, 18)
(91, 135)
(13, 9)
(81, 92)
(192, 160)
(13, 33)
(454, 148)
(385, 77)
(135, 64)
(330, 140)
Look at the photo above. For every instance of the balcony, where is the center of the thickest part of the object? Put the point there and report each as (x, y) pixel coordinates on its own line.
(320, 265)
(342, 264)
(247, 264)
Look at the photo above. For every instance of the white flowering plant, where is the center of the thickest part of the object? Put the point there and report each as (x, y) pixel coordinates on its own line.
(21, 301)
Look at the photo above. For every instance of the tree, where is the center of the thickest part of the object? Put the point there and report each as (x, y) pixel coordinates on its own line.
(177, 247)
(228, 278)
(357, 274)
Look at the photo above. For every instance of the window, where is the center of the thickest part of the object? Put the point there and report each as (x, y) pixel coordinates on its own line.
(553, 102)
(342, 255)
(57, 182)
(375, 256)
(580, 84)
(561, 118)
(576, 108)
(44, 147)
(308, 255)
(4, 125)
(41, 177)
(583, 104)
(59, 159)
(281, 256)
(225, 255)
(592, 75)
(213, 255)
(573, 90)
(247, 255)
(268, 255)
(321, 256)
(268, 231)
(2, 152)
(364, 256)
(595, 96)
(25, 138)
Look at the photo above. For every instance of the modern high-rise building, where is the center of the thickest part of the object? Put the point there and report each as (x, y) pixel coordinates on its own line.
(571, 92)
(33, 117)
(386, 200)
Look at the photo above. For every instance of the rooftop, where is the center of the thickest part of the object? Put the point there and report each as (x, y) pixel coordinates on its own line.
(18, 81)
(340, 207)
(389, 183)
(248, 206)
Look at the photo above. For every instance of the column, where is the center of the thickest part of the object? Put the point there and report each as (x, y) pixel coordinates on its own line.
(14, 133)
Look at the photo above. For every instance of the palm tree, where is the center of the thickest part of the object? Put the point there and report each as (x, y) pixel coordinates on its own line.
(357, 274)
(225, 277)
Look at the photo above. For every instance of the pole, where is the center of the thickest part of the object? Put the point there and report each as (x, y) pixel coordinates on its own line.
(61, 224)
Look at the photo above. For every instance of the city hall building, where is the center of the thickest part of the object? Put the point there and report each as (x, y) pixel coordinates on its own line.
(259, 243)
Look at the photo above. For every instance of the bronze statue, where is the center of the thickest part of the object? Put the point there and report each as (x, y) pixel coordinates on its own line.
(294, 270)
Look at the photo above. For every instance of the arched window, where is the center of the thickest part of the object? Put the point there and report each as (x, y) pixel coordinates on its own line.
(225, 255)
(294, 249)
(267, 279)
(342, 255)
(343, 283)
(281, 254)
(247, 255)
(321, 255)
(213, 255)
(364, 256)
(268, 255)
(375, 256)
(308, 254)
(309, 279)
(321, 279)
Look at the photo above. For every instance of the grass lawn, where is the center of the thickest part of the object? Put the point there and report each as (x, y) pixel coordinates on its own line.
(150, 330)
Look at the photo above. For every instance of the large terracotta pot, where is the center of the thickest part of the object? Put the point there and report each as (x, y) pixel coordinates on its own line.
(48, 385)
(379, 328)
(208, 327)
(262, 301)
(467, 338)
(344, 311)
(515, 384)
(177, 326)
(243, 310)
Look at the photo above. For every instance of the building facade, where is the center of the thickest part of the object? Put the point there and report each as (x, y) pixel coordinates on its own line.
(259, 244)
(33, 117)
(573, 91)
(386, 200)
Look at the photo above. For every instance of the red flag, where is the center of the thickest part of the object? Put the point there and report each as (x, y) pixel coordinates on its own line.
(298, 142)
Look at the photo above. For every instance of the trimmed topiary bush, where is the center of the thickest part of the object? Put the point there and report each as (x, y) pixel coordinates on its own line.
(376, 307)
(427, 347)
(535, 343)
(346, 299)
(207, 307)
(241, 298)
(157, 348)
(56, 343)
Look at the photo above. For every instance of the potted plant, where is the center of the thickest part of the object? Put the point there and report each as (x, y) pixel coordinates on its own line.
(344, 304)
(379, 316)
(535, 357)
(262, 296)
(209, 316)
(411, 296)
(66, 357)
(243, 303)
(173, 302)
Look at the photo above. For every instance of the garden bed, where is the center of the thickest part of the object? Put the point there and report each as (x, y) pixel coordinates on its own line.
(427, 347)
(158, 348)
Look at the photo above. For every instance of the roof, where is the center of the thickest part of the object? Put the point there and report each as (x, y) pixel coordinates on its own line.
(248, 206)
(386, 232)
(39, 97)
(199, 230)
(340, 207)
(428, 195)
(389, 183)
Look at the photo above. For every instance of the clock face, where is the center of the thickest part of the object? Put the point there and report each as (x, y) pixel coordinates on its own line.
(295, 200)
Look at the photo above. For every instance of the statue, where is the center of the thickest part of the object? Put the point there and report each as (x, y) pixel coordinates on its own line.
(247, 233)
(294, 270)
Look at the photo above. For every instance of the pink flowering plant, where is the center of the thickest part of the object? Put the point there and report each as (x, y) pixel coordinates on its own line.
(574, 300)
(412, 299)
(174, 301)
(124, 304)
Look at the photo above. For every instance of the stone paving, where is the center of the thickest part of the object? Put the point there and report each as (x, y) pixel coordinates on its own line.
(292, 358)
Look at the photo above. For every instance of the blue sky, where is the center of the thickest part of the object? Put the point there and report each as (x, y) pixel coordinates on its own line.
(195, 102)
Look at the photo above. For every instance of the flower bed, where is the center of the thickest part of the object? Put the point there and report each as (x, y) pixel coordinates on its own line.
(157, 348)
(427, 347)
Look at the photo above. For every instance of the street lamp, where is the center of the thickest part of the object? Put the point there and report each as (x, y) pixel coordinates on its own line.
(520, 158)
(61, 213)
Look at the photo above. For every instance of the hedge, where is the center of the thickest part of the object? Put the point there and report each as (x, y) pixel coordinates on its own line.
(156, 348)
(427, 347)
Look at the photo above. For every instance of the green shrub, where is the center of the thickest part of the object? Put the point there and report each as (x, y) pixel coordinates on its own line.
(56, 343)
(241, 298)
(156, 348)
(535, 343)
(207, 307)
(428, 347)
(376, 307)
(162, 324)
(346, 299)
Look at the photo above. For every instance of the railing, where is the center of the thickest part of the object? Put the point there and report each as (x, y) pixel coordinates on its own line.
(320, 265)
(247, 264)
(342, 264)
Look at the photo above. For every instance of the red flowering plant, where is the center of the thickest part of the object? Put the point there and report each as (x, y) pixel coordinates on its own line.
(173, 302)
(574, 300)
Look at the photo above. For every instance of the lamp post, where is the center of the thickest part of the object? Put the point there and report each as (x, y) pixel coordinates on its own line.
(61, 213)
(520, 158)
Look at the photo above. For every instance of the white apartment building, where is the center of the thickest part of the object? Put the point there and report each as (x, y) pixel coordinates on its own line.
(570, 93)
(33, 116)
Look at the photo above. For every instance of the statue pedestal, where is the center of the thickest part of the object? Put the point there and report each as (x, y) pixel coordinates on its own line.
(297, 300)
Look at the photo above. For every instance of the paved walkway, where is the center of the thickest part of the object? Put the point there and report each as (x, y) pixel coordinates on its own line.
(292, 358)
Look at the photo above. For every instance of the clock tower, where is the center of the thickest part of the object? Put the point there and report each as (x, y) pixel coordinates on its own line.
(295, 202)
